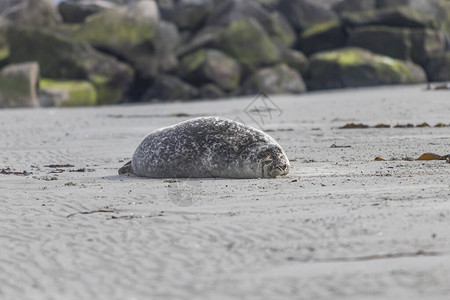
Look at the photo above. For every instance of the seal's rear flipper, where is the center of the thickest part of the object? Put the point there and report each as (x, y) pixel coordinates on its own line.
(126, 169)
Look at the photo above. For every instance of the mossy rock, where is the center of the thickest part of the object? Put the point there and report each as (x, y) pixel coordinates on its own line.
(279, 29)
(248, 42)
(129, 36)
(323, 36)
(63, 58)
(72, 92)
(305, 14)
(403, 16)
(210, 65)
(116, 31)
(355, 67)
(107, 92)
(19, 84)
(4, 55)
(444, 5)
(279, 79)
(416, 44)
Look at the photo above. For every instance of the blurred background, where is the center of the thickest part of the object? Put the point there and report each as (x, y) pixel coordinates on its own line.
(96, 52)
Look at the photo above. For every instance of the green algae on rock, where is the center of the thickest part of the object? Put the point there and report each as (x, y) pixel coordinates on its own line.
(67, 93)
(354, 67)
(248, 42)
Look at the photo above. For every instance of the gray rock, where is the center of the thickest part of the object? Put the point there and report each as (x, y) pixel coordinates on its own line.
(323, 36)
(390, 41)
(211, 91)
(167, 39)
(438, 67)
(279, 29)
(426, 43)
(63, 58)
(209, 65)
(295, 59)
(416, 44)
(346, 6)
(395, 17)
(279, 79)
(229, 11)
(31, 13)
(204, 38)
(19, 85)
(168, 87)
(187, 14)
(304, 13)
(248, 42)
(354, 67)
(269, 5)
(128, 33)
(73, 11)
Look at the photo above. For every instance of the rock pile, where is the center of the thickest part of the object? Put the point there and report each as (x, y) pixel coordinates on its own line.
(87, 52)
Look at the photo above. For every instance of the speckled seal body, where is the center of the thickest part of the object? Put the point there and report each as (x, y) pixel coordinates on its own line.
(208, 147)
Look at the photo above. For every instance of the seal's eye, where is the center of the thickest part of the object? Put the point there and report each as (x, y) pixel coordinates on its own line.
(268, 162)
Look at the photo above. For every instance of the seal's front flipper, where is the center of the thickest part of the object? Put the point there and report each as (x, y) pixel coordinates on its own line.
(127, 169)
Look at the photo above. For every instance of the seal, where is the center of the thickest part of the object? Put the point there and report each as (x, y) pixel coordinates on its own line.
(208, 147)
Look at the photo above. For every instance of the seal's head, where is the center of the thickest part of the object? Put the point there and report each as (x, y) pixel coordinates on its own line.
(273, 162)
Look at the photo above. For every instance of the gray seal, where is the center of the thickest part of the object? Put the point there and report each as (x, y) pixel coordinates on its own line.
(208, 147)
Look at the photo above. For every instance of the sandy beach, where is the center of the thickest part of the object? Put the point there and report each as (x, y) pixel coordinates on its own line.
(340, 226)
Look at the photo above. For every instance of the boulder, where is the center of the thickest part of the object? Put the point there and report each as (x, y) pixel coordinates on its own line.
(395, 17)
(167, 40)
(168, 87)
(66, 93)
(269, 5)
(347, 6)
(73, 11)
(279, 79)
(248, 42)
(426, 43)
(390, 41)
(31, 13)
(63, 58)
(209, 65)
(229, 11)
(127, 33)
(415, 44)
(438, 67)
(295, 59)
(187, 14)
(19, 84)
(355, 67)
(204, 38)
(211, 91)
(279, 29)
(305, 13)
(323, 36)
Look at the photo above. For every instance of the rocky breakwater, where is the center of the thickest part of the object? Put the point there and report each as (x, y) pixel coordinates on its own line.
(91, 52)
